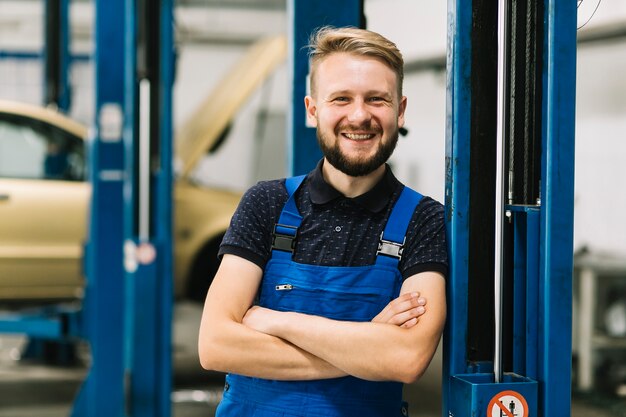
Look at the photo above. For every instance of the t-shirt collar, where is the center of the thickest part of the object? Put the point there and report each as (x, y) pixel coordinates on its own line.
(374, 200)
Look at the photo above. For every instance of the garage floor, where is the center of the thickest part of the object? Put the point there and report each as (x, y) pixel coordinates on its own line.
(29, 389)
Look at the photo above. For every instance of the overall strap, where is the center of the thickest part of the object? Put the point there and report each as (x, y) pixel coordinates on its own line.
(392, 239)
(284, 236)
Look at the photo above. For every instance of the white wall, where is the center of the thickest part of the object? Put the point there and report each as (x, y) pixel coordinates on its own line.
(419, 30)
(600, 195)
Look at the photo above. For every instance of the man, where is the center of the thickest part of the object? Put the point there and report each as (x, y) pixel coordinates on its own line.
(319, 305)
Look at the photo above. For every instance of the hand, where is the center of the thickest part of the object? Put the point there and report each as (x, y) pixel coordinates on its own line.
(403, 311)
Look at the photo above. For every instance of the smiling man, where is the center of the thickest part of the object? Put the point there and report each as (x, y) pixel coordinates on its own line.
(319, 306)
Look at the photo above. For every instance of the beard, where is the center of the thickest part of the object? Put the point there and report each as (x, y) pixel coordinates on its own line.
(356, 167)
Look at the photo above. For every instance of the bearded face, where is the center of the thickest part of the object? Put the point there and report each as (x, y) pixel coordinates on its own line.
(357, 112)
(356, 165)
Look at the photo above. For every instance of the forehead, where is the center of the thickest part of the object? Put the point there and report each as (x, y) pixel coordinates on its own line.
(349, 72)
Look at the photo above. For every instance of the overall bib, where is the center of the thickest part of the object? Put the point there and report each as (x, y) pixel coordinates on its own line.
(340, 293)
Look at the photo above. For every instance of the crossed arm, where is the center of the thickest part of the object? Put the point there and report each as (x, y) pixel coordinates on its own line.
(292, 346)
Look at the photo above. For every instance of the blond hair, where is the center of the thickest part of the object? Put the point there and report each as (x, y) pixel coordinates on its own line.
(328, 40)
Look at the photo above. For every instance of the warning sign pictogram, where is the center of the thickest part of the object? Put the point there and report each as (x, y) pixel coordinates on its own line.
(507, 404)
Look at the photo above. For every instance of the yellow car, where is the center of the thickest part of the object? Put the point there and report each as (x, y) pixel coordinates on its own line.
(44, 196)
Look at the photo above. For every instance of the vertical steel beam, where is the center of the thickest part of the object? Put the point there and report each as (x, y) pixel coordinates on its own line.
(102, 393)
(531, 349)
(542, 317)
(457, 194)
(557, 196)
(164, 211)
(304, 18)
(526, 292)
(148, 207)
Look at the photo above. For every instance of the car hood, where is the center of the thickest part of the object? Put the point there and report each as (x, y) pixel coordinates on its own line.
(205, 126)
(44, 114)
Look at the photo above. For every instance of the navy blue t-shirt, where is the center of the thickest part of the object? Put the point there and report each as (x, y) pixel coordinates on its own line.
(336, 230)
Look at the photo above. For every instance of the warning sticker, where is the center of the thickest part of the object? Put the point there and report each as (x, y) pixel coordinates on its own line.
(507, 404)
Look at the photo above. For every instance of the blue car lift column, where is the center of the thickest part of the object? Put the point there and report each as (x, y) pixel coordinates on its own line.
(509, 207)
(128, 301)
(102, 392)
(304, 17)
(148, 243)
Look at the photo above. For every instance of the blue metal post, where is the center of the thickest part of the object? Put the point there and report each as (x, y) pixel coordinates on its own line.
(526, 291)
(457, 195)
(164, 210)
(305, 17)
(149, 183)
(520, 282)
(102, 393)
(557, 195)
(543, 250)
(533, 217)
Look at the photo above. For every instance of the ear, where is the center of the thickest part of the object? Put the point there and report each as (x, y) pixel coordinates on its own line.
(311, 111)
(401, 110)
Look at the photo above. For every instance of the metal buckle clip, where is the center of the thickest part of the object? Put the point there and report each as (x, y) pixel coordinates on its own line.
(389, 248)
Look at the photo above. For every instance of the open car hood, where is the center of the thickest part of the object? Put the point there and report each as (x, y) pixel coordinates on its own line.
(207, 123)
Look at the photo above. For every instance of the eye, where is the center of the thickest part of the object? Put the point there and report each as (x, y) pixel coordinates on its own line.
(377, 100)
(341, 99)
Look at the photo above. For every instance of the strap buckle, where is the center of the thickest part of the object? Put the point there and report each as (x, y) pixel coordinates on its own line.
(389, 248)
(284, 237)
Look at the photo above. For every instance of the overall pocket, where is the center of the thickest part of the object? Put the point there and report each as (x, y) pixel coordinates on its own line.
(340, 293)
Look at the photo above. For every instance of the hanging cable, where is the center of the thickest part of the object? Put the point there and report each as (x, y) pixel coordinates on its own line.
(592, 14)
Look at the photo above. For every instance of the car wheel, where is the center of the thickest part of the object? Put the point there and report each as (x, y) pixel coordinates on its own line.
(204, 269)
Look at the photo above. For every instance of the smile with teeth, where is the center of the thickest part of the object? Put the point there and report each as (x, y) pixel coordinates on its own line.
(359, 136)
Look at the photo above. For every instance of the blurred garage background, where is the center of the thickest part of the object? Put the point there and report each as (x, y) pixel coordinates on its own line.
(212, 35)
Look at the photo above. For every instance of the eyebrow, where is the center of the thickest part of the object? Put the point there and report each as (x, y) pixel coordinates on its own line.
(368, 93)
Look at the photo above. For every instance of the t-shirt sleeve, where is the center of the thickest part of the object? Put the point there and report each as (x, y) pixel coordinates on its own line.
(250, 232)
(426, 248)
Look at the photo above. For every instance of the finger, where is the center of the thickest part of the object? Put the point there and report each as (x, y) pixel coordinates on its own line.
(405, 316)
(408, 304)
(403, 305)
(410, 323)
(392, 308)
(399, 305)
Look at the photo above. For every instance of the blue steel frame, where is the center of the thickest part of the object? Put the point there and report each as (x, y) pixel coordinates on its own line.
(149, 288)
(304, 17)
(543, 241)
(557, 214)
(36, 56)
(526, 265)
(130, 372)
(131, 347)
(102, 392)
(457, 194)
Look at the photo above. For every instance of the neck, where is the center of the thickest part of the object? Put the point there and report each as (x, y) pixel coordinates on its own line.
(351, 186)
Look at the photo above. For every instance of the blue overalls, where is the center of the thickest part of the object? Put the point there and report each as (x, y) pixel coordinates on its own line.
(340, 293)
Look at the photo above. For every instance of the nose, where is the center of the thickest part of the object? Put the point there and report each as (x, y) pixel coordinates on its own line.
(359, 113)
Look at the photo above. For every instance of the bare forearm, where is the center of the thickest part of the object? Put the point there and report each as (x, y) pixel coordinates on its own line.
(372, 351)
(233, 347)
